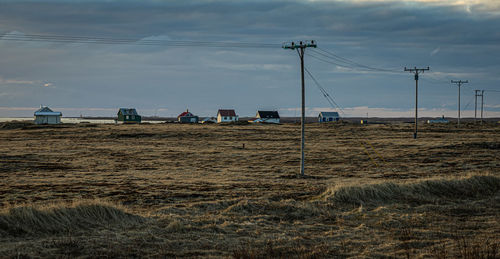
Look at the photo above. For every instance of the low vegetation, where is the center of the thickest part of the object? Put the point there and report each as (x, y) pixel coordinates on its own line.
(421, 192)
(216, 191)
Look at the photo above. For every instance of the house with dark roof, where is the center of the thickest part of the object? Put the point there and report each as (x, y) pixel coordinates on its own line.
(45, 115)
(225, 115)
(267, 117)
(128, 115)
(328, 117)
(187, 117)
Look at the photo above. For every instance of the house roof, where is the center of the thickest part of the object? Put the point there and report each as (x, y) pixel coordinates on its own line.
(185, 114)
(268, 114)
(47, 112)
(230, 113)
(128, 111)
(329, 114)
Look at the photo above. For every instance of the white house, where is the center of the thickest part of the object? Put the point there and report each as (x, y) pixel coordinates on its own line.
(328, 116)
(226, 116)
(267, 117)
(45, 115)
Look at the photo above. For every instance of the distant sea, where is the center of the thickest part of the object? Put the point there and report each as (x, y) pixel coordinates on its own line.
(71, 120)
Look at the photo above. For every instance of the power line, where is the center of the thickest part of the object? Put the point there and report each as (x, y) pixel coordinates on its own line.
(350, 64)
(328, 97)
(330, 62)
(131, 41)
(467, 105)
(336, 57)
(346, 65)
(343, 65)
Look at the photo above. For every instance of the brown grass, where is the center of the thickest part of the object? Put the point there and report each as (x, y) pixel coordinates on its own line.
(419, 192)
(195, 191)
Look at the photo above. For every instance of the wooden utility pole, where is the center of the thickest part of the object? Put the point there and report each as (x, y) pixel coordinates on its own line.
(482, 102)
(475, 104)
(300, 50)
(459, 83)
(416, 71)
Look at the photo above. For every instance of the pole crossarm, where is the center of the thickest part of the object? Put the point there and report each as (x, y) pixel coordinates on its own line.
(416, 71)
(300, 47)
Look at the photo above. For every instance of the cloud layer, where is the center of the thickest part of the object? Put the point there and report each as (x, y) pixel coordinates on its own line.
(457, 39)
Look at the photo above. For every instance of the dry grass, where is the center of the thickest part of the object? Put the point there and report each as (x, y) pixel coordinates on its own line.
(417, 193)
(194, 191)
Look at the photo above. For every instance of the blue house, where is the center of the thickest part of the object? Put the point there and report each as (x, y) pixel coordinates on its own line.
(328, 117)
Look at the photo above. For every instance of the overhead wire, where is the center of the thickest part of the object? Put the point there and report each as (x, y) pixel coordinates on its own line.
(131, 41)
(333, 56)
(321, 55)
(325, 93)
(330, 62)
(466, 106)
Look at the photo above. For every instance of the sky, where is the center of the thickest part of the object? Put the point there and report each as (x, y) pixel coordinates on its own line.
(457, 39)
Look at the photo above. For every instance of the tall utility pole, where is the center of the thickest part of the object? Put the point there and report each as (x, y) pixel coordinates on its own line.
(416, 71)
(475, 104)
(300, 50)
(459, 83)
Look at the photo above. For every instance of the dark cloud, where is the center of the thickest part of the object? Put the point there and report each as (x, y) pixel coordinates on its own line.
(382, 34)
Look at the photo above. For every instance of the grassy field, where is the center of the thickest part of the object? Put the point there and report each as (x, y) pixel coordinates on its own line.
(170, 190)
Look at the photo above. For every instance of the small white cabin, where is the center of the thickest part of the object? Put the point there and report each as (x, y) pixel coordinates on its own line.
(328, 117)
(45, 115)
(226, 116)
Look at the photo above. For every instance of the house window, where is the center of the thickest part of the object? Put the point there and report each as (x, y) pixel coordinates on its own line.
(225, 118)
(133, 117)
(126, 117)
(331, 119)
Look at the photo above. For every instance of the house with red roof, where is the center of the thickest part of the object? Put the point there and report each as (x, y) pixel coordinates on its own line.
(225, 115)
(187, 117)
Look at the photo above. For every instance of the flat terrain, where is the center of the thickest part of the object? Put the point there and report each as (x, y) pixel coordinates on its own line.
(172, 190)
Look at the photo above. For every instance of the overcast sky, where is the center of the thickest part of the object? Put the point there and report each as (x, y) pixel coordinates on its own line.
(458, 40)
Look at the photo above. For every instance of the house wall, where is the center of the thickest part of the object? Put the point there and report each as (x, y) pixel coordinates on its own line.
(327, 119)
(189, 119)
(226, 118)
(129, 119)
(47, 119)
(271, 120)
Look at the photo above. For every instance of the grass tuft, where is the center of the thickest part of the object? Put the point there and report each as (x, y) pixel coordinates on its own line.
(429, 191)
(29, 220)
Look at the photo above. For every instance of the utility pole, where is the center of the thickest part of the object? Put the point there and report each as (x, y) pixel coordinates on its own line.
(482, 102)
(416, 71)
(459, 83)
(300, 50)
(475, 104)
